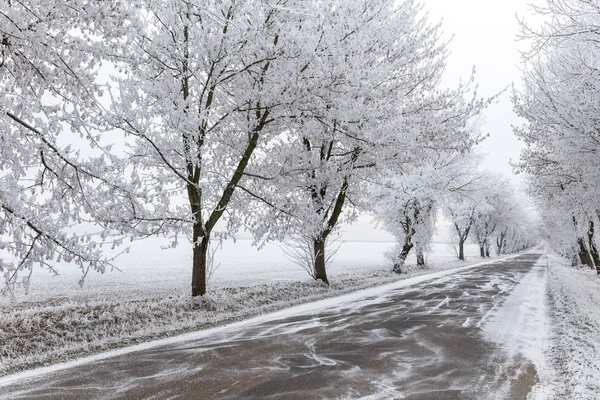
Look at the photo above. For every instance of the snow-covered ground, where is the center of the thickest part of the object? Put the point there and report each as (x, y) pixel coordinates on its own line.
(149, 297)
(552, 319)
(574, 347)
(520, 329)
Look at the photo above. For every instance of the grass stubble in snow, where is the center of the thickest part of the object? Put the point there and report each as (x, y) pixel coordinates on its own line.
(574, 349)
(38, 334)
(51, 330)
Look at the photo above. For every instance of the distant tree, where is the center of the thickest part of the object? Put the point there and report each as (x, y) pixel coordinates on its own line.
(489, 212)
(407, 204)
(494, 211)
(462, 218)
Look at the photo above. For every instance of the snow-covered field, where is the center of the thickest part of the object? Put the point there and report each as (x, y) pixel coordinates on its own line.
(149, 297)
(149, 271)
(574, 348)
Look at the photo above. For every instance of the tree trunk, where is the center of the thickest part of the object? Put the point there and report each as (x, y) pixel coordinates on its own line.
(487, 251)
(399, 262)
(199, 262)
(574, 260)
(482, 249)
(593, 249)
(595, 258)
(319, 254)
(319, 243)
(420, 258)
(461, 250)
(584, 254)
(500, 242)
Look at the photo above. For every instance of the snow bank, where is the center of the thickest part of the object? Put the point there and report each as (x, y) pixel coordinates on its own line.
(574, 303)
(520, 328)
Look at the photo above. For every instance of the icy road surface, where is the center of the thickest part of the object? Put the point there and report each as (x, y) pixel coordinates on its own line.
(476, 334)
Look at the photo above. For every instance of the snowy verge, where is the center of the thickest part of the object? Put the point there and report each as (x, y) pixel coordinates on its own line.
(520, 328)
(573, 300)
(38, 334)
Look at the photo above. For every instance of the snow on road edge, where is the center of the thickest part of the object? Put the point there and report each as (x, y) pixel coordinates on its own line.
(520, 327)
(574, 309)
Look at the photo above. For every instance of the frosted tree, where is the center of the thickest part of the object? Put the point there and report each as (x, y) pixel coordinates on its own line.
(55, 176)
(407, 204)
(374, 102)
(409, 214)
(461, 214)
(203, 89)
(494, 211)
(490, 212)
(467, 209)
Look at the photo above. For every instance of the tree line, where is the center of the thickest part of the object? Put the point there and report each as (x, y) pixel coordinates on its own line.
(195, 119)
(559, 102)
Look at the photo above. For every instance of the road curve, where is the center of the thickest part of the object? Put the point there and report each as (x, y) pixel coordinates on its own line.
(419, 342)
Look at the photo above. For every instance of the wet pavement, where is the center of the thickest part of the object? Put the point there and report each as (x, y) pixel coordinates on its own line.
(425, 341)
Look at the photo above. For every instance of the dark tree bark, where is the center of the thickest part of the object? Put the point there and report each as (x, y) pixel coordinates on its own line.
(202, 232)
(409, 231)
(481, 250)
(319, 255)
(199, 263)
(461, 250)
(500, 243)
(330, 216)
(593, 249)
(400, 260)
(462, 237)
(584, 254)
(420, 258)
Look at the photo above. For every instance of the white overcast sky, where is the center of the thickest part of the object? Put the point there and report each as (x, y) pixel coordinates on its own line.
(485, 36)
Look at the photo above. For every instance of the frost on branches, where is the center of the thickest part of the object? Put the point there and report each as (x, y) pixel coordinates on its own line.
(407, 203)
(204, 88)
(50, 117)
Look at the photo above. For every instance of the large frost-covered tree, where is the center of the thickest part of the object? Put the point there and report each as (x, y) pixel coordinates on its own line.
(373, 103)
(204, 86)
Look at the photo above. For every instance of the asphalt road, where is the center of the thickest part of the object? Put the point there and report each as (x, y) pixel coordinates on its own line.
(420, 342)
